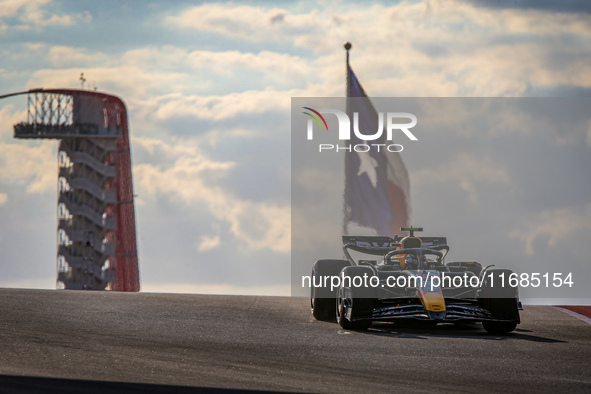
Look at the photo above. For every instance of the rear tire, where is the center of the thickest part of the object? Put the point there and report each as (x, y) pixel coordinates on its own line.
(322, 299)
(359, 299)
(500, 301)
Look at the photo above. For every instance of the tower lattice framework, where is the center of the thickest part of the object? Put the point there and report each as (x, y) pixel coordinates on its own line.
(96, 234)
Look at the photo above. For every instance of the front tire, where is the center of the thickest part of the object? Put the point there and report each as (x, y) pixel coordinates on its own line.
(322, 304)
(359, 300)
(500, 301)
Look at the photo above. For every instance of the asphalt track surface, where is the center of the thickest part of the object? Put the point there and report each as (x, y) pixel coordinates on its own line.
(107, 342)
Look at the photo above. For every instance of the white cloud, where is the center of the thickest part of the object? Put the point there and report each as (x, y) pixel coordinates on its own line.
(269, 67)
(34, 13)
(9, 116)
(33, 164)
(208, 243)
(160, 83)
(127, 81)
(272, 66)
(11, 8)
(3, 198)
(63, 56)
(171, 150)
(554, 225)
(245, 22)
(407, 49)
(251, 23)
(259, 225)
(443, 49)
(191, 178)
(467, 171)
(218, 108)
(39, 17)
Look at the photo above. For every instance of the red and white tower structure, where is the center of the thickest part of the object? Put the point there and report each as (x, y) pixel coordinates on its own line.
(96, 235)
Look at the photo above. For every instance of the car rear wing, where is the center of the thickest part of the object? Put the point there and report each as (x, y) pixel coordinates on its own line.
(380, 245)
(370, 244)
(370, 241)
(373, 245)
(429, 242)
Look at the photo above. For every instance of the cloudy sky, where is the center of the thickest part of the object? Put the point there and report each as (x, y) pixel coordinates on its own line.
(208, 88)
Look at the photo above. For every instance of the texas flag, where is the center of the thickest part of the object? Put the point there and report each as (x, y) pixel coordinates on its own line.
(377, 188)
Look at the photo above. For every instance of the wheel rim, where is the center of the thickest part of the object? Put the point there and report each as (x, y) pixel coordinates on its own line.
(340, 308)
(312, 295)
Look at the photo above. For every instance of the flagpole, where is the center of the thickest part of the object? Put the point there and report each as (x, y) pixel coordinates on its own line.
(347, 45)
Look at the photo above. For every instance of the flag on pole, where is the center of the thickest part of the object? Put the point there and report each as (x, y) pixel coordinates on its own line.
(377, 187)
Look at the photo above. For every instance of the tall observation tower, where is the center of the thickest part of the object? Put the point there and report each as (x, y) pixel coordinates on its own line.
(96, 219)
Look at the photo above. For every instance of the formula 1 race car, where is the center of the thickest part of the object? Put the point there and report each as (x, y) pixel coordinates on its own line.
(408, 280)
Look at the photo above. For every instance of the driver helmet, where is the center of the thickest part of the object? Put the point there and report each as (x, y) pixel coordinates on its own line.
(412, 262)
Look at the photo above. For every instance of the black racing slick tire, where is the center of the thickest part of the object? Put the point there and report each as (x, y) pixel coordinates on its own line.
(360, 300)
(322, 298)
(497, 296)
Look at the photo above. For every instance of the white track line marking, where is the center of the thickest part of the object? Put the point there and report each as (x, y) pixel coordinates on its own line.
(575, 314)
